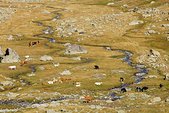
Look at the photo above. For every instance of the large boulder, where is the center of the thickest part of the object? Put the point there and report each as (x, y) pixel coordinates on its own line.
(10, 56)
(75, 49)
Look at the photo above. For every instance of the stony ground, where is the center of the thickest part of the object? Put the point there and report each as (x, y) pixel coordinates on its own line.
(61, 52)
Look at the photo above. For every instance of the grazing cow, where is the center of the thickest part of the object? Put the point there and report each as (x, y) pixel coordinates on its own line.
(123, 90)
(144, 88)
(23, 63)
(98, 83)
(33, 43)
(78, 84)
(96, 67)
(138, 89)
(121, 79)
(87, 99)
(7, 52)
(160, 85)
(64, 79)
(12, 67)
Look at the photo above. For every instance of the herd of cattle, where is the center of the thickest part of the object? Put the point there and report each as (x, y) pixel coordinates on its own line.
(78, 84)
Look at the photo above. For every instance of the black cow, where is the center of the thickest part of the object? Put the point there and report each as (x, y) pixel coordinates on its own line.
(138, 89)
(121, 79)
(96, 67)
(160, 85)
(123, 90)
(7, 52)
(144, 88)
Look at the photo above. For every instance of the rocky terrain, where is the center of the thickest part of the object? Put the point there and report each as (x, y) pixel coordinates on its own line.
(84, 56)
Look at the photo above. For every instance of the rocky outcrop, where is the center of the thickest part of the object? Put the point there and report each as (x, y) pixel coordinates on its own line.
(75, 49)
(152, 58)
(10, 56)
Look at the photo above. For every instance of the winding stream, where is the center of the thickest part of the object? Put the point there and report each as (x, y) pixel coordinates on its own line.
(142, 71)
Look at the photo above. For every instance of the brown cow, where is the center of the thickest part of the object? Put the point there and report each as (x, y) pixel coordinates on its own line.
(64, 79)
(87, 99)
(23, 63)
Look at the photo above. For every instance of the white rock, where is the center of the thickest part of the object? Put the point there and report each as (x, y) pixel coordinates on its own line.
(12, 67)
(46, 58)
(151, 76)
(6, 83)
(121, 111)
(10, 37)
(156, 100)
(56, 64)
(50, 82)
(152, 2)
(66, 72)
(98, 83)
(110, 4)
(12, 95)
(75, 49)
(31, 74)
(136, 22)
(41, 68)
(76, 58)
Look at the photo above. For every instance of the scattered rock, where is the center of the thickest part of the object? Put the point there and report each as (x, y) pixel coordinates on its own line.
(152, 2)
(121, 111)
(51, 111)
(151, 76)
(56, 64)
(77, 58)
(11, 95)
(66, 72)
(136, 22)
(48, 31)
(46, 58)
(31, 74)
(75, 49)
(6, 83)
(41, 68)
(110, 4)
(156, 100)
(10, 37)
